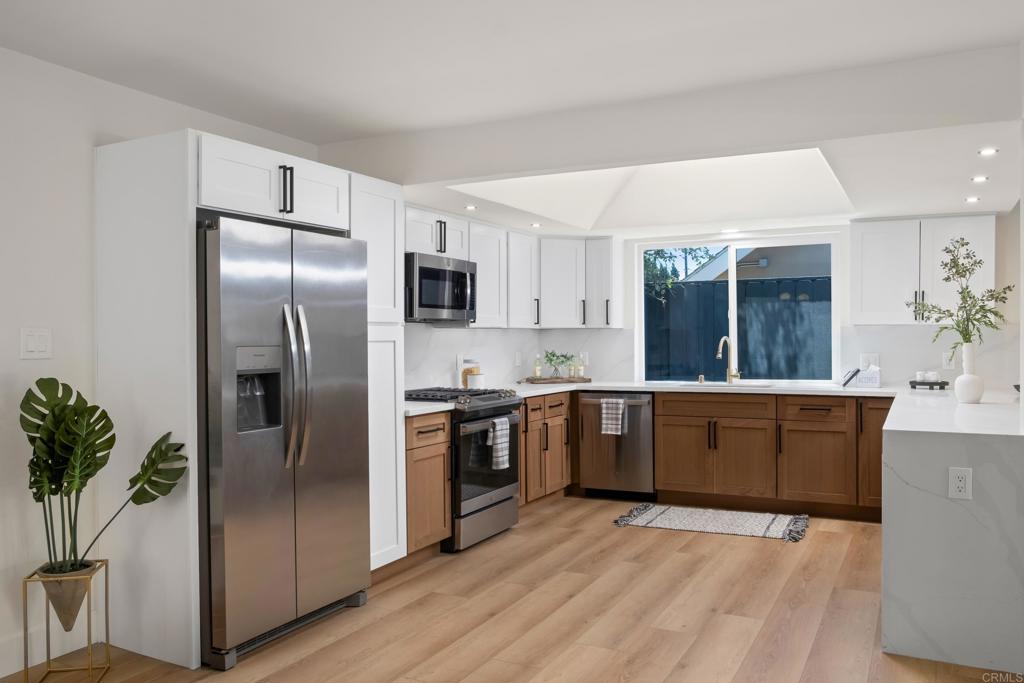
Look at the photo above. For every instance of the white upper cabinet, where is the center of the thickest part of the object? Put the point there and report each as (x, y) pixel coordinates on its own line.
(429, 232)
(562, 282)
(884, 271)
(896, 261)
(240, 177)
(488, 248)
(936, 233)
(318, 193)
(378, 218)
(523, 280)
(604, 282)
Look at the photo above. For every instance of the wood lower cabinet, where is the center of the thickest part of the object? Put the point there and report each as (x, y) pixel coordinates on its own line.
(429, 492)
(556, 453)
(745, 455)
(546, 452)
(871, 414)
(683, 458)
(535, 461)
(818, 461)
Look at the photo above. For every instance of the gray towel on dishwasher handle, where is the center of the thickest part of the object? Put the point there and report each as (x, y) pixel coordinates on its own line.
(613, 416)
(497, 439)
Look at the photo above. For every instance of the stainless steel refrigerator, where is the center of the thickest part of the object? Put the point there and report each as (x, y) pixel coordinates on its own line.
(284, 525)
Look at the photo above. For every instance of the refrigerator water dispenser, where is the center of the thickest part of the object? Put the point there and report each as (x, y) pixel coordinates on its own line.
(258, 387)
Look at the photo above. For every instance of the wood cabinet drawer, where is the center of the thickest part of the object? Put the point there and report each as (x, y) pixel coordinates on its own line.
(556, 405)
(755, 406)
(818, 408)
(427, 430)
(535, 408)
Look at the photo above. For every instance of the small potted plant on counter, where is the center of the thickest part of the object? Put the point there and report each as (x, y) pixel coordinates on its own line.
(71, 442)
(557, 361)
(971, 315)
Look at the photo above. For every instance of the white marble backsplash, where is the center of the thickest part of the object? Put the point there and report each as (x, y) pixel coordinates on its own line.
(430, 352)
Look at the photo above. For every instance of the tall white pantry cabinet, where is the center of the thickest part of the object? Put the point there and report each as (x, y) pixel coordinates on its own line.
(147, 358)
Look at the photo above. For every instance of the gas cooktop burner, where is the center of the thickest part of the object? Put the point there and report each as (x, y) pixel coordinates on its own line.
(465, 399)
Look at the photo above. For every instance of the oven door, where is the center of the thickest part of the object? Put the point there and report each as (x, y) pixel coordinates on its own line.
(477, 483)
(439, 288)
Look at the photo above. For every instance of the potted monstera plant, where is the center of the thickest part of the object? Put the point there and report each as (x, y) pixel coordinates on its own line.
(71, 441)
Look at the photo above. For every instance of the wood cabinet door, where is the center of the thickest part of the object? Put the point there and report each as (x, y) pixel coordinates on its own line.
(818, 462)
(556, 441)
(683, 459)
(745, 457)
(534, 460)
(871, 414)
(429, 490)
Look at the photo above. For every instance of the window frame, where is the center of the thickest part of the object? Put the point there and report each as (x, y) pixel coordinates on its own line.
(741, 241)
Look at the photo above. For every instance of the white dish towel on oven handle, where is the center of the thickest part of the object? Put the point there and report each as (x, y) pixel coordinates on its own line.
(497, 439)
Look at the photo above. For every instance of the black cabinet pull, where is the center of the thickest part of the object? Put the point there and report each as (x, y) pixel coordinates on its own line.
(566, 442)
(714, 434)
(607, 312)
(916, 314)
(860, 416)
(709, 435)
(816, 409)
(444, 237)
(536, 320)
(431, 430)
(778, 438)
(291, 189)
(584, 302)
(557, 405)
(545, 437)
(284, 188)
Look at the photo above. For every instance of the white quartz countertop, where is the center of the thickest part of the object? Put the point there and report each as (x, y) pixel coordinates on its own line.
(938, 411)
(741, 387)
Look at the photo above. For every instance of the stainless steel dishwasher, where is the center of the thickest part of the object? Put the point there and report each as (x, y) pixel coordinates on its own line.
(612, 462)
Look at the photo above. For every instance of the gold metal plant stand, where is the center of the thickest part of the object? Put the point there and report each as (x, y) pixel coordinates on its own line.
(96, 671)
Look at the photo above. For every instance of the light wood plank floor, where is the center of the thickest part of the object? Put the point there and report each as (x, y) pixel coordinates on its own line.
(565, 596)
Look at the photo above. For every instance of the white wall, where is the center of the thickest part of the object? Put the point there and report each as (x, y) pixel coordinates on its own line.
(430, 354)
(50, 120)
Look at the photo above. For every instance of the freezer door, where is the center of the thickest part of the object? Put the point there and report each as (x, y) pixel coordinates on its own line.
(332, 524)
(251, 486)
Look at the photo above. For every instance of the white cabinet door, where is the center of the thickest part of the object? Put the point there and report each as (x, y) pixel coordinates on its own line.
(239, 177)
(455, 238)
(523, 280)
(422, 231)
(936, 233)
(386, 402)
(378, 218)
(319, 193)
(884, 271)
(562, 282)
(488, 248)
(604, 282)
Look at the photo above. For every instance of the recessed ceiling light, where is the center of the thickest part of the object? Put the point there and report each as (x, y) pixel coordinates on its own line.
(470, 207)
(534, 225)
(979, 179)
(988, 151)
(973, 200)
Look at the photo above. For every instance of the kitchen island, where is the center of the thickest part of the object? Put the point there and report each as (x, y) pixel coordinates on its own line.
(953, 569)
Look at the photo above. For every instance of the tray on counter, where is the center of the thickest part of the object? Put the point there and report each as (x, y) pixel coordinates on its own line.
(554, 380)
(940, 385)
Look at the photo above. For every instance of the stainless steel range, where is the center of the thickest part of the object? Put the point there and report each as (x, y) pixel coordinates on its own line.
(484, 491)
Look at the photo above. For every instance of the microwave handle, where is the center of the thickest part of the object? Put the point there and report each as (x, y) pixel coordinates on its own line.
(469, 296)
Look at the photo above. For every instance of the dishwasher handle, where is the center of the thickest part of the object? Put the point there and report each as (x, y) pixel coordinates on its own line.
(629, 402)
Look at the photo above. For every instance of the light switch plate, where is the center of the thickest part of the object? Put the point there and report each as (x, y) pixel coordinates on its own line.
(36, 343)
(867, 360)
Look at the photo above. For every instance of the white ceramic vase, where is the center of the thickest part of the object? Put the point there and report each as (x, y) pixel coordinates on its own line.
(969, 387)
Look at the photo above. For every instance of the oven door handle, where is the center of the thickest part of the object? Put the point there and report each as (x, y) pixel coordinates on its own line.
(483, 425)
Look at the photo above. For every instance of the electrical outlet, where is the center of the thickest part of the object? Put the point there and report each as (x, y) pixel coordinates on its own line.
(960, 483)
(948, 360)
(867, 360)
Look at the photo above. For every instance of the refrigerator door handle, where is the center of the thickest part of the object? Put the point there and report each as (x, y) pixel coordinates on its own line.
(293, 414)
(307, 408)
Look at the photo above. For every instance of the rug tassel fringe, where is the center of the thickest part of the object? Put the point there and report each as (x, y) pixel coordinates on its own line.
(635, 512)
(796, 530)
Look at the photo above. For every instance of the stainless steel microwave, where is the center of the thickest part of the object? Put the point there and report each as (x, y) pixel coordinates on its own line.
(439, 289)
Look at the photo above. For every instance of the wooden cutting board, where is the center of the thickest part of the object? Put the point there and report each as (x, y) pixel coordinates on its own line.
(554, 380)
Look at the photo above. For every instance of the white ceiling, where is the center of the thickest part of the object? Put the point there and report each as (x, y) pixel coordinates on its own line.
(329, 70)
(913, 173)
